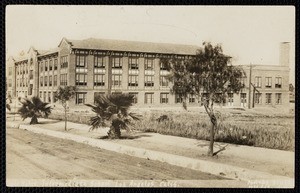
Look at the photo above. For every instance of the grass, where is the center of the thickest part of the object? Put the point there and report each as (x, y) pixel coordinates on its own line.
(275, 132)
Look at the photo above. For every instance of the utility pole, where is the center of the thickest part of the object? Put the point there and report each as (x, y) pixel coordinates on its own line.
(249, 97)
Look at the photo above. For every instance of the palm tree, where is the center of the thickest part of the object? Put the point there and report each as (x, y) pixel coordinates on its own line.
(112, 110)
(34, 108)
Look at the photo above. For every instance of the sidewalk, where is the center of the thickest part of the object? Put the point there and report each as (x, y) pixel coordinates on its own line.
(263, 161)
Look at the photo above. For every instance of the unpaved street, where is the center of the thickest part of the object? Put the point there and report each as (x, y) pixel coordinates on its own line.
(34, 156)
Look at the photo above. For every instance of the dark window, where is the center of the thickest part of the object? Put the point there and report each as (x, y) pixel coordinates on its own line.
(45, 81)
(99, 80)
(80, 98)
(116, 79)
(268, 98)
(64, 62)
(164, 97)
(81, 80)
(268, 82)
(133, 80)
(46, 65)
(133, 63)
(192, 98)
(50, 64)
(149, 63)
(178, 98)
(149, 98)
(55, 64)
(278, 82)
(278, 98)
(163, 66)
(50, 80)
(41, 81)
(116, 62)
(54, 96)
(135, 97)
(49, 97)
(31, 74)
(63, 80)
(42, 66)
(149, 80)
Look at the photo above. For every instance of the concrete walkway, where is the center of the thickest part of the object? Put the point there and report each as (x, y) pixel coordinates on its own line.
(237, 162)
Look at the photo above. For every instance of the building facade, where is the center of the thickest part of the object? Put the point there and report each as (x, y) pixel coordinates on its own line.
(99, 67)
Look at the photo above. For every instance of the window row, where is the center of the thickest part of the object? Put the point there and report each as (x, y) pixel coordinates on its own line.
(268, 82)
(53, 80)
(48, 66)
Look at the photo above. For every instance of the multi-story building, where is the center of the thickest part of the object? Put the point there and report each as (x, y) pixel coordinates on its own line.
(97, 66)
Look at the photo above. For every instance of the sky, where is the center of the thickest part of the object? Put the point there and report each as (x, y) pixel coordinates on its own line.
(250, 34)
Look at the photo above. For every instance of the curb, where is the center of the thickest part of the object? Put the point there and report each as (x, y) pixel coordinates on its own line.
(219, 169)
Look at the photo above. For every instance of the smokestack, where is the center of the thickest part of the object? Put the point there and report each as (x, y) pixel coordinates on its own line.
(284, 55)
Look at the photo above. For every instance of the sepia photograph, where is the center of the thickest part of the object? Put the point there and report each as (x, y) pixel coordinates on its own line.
(150, 96)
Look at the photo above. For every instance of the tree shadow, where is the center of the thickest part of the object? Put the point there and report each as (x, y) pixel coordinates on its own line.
(126, 137)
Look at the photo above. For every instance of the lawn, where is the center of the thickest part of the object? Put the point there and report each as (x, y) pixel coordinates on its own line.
(234, 126)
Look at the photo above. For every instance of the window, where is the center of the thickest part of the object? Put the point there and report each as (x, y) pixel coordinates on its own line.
(41, 81)
(45, 93)
(50, 80)
(192, 98)
(55, 64)
(116, 79)
(46, 65)
(278, 82)
(178, 98)
(99, 62)
(258, 82)
(98, 94)
(268, 82)
(99, 80)
(257, 98)
(133, 80)
(64, 62)
(149, 63)
(133, 63)
(41, 94)
(243, 98)
(50, 65)
(149, 80)
(278, 98)
(164, 97)
(45, 81)
(81, 80)
(54, 96)
(49, 97)
(80, 98)
(42, 66)
(116, 62)
(135, 97)
(63, 80)
(149, 98)
(268, 98)
(30, 89)
(163, 81)
(10, 71)
(81, 61)
(55, 80)
(9, 82)
(31, 74)
(26, 82)
(163, 66)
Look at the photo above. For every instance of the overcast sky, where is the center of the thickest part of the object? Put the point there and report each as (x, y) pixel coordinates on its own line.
(250, 34)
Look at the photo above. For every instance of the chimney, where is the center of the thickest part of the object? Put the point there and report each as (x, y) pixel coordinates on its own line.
(284, 55)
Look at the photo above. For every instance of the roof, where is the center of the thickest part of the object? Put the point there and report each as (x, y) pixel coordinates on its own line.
(133, 46)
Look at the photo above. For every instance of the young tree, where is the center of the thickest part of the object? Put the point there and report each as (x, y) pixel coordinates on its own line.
(64, 94)
(209, 72)
(114, 110)
(34, 108)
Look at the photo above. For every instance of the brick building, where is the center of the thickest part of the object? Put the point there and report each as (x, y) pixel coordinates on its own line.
(98, 66)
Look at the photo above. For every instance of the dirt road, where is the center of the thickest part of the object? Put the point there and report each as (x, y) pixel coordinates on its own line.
(34, 156)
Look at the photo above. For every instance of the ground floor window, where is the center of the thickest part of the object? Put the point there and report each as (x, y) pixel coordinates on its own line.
(268, 98)
(45, 93)
(135, 97)
(80, 98)
(164, 97)
(178, 98)
(41, 94)
(49, 97)
(243, 98)
(54, 96)
(278, 98)
(257, 98)
(192, 98)
(149, 98)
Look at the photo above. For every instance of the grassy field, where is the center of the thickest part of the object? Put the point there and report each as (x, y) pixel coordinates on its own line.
(234, 126)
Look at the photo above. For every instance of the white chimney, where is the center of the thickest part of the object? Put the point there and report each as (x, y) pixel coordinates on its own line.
(284, 55)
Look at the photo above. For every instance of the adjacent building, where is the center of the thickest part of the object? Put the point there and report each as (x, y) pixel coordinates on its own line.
(97, 66)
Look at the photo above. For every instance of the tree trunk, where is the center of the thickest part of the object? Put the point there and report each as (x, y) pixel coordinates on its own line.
(114, 133)
(34, 120)
(211, 140)
(65, 119)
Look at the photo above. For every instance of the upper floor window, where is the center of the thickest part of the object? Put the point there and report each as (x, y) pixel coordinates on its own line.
(99, 80)
(163, 66)
(64, 62)
(9, 82)
(50, 64)
(81, 61)
(55, 80)
(41, 81)
(149, 80)
(268, 82)
(133, 80)
(116, 62)
(258, 82)
(42, 66)
(45, 81)
(99, 62)
(163, 81)
(10, 71)
(46, 65)
(55, 64)
(50, 80)
(116, 79)
(63, 80)
(133, 63)
(149, 63)
(81, 80)
(278, 82)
